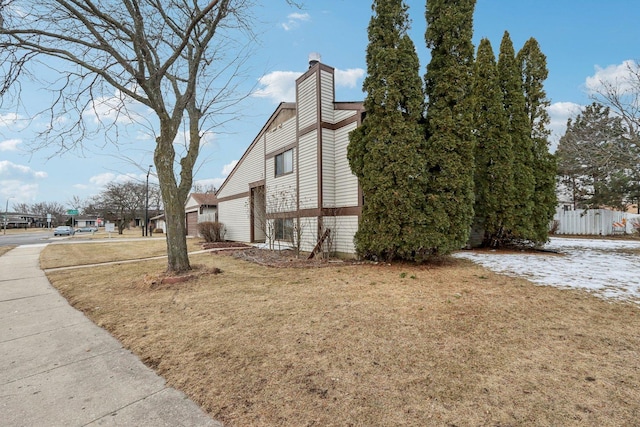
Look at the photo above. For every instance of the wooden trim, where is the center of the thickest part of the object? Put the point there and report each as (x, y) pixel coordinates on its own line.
(319, 136)
(342, 123)
(307, 130)
(280, 150)
(356, 105)
(234, 197)
(322, 212)
(257, 183)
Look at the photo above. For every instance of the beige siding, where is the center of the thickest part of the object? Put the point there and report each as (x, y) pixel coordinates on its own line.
(309, 237)
(343, 228)
(307, 102)
(281, 193)
(308, 171)
(191, 204)
(328, 169)
(250, 169)
(346, 183)
(283, 135)
(339, 115)
(234, 214)
(326, 99)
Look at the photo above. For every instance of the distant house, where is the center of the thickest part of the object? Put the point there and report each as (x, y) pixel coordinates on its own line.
(158, 223)
(294, 181)
(87, 221)
(200, 207)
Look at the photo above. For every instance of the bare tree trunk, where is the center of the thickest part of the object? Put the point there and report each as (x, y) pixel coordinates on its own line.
(174, 197)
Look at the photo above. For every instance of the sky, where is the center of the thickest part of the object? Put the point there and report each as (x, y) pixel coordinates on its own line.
(585, 41)
(606, 268)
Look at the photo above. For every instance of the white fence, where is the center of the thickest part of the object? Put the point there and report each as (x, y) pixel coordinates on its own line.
(602, 222)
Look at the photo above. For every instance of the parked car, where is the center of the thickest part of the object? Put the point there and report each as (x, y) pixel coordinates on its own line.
(64, 230)
(87, 230)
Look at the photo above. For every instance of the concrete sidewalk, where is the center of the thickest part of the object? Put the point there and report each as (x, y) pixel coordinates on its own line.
(59, 369)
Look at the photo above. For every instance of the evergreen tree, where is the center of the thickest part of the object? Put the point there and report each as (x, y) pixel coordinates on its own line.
(493, 152)
(520, 132)
(450, 146)
(596, 160)
(533, 66)
(386, 152)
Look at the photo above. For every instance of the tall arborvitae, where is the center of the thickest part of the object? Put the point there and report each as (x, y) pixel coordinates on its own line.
(386, 152)
(520, 132)
(493, 153)
(450, 144)
(533, 66)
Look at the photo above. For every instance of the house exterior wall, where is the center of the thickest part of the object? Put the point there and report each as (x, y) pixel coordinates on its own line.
(234, 214)
(281, 136)
(328, 168)
(321, 192)
(327, 96)
(308, 170)
(307, 102)
(346, 187)
(249, 169)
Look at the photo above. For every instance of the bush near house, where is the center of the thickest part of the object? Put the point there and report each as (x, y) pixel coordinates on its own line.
(212, 231)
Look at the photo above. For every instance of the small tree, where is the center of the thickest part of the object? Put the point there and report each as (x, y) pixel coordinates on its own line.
(520, 131)
(533, 67)
(123, 201)
(494, 192)
(387, 151)
(449, 130)
(595, 159)
(212, 231)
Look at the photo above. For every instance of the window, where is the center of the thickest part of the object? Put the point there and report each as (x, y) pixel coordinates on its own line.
(284, 229)
(284, 163)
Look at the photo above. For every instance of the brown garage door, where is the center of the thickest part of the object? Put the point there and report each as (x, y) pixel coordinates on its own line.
(192, 224)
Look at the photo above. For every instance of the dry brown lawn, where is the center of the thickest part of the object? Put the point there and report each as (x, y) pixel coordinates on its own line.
(66, 255)
(5, 249)
(372, 345)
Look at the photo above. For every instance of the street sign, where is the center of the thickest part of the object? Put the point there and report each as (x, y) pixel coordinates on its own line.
(72, 212)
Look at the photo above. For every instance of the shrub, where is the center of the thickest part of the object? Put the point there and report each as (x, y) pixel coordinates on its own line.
(212, 231)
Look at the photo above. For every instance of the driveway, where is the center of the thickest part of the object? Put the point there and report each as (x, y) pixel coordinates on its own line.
(607, 268)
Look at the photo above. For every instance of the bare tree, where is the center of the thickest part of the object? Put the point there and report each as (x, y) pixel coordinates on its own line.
(622, 95)
(179, 59)
(56, 210)
(122, 202)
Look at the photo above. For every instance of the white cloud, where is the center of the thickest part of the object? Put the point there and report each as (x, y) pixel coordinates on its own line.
(348, 78)
(9, 119)
(12, 170)
(294, 20)
(19, 181)
(118, 108)
(280, 86)
(103, 179)
(10, 144)
(559, 112)
(226, 169)
(619, 76)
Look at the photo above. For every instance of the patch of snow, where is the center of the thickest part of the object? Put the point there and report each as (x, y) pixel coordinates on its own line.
(599, 266)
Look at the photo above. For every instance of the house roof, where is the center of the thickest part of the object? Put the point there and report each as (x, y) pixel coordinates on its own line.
(205, 199)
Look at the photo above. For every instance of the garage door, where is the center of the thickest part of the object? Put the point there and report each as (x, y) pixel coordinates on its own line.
(192, 224)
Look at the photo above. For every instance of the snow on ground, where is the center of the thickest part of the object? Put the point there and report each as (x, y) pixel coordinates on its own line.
(605, 267)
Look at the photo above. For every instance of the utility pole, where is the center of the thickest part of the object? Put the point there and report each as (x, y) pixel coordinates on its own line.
(146, 204)
(6, 212)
